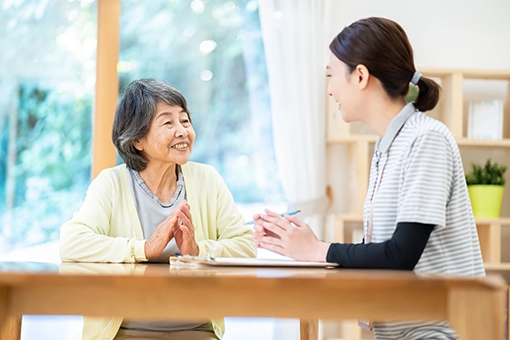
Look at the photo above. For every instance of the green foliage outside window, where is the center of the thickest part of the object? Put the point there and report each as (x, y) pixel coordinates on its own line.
(46, 81)
(211, 51)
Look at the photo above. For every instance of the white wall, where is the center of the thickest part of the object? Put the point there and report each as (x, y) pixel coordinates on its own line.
(443, 33)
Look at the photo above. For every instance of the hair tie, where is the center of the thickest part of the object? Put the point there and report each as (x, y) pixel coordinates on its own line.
(416, 78)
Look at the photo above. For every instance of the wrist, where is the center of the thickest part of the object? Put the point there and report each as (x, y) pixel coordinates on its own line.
(146, 249)
(197, 249)
(322, 251)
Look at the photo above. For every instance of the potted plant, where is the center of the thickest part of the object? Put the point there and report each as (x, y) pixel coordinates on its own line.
(485, 187)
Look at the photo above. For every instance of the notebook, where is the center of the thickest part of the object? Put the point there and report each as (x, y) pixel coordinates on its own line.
(245, 262)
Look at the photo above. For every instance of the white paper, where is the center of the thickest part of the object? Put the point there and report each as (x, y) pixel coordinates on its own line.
(246, 262)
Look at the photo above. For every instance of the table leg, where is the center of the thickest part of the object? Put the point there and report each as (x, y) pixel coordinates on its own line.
(309, 329)
(477, 315)
(11, 329)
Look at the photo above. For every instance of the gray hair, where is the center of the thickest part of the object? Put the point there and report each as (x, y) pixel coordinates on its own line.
(134, 114)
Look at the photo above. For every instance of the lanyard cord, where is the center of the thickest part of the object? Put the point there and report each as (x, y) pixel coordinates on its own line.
(368, 237)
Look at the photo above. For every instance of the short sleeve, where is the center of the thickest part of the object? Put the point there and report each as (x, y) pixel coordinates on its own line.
(426, 180)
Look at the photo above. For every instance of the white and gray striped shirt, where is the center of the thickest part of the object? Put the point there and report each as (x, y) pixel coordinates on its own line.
(423, 182)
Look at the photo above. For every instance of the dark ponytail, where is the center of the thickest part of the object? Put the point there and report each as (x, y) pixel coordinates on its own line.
(428, 95)
(383, 47)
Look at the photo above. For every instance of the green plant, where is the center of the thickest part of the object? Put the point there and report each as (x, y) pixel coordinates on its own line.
(489, 174)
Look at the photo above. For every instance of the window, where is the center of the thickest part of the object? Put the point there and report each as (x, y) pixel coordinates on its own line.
(47, 83)
(211, 51)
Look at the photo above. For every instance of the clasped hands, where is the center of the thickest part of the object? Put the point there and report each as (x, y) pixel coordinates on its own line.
(179, 226)
(288, 236)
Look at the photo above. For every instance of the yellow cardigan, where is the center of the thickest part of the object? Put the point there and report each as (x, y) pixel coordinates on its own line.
(107, 228)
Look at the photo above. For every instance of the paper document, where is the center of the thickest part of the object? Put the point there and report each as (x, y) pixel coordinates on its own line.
(245, 262)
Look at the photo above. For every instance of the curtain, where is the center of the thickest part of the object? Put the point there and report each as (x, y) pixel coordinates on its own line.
(296, 36)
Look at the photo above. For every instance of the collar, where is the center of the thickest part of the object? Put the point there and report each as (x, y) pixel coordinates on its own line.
(396, 124)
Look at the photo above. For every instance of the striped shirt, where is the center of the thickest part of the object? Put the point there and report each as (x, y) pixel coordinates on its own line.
(423, 182)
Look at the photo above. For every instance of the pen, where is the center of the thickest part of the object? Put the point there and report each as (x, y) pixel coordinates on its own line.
(290, 212)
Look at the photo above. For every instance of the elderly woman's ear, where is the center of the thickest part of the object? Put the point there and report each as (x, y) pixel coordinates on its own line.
(138, 145)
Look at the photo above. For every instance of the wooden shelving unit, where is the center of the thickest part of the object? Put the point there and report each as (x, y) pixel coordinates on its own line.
(347, 226)
(451, 111)
(489, 233)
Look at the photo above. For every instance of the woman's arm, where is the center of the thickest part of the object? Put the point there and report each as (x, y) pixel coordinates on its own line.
(234, 238)
(220, 228)
(291, 237)
(104, 229)
(402, 251)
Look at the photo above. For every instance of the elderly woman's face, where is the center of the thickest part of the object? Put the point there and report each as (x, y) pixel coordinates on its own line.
(170, 137)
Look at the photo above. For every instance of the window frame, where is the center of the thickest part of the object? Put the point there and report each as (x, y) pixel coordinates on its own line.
(107, 85)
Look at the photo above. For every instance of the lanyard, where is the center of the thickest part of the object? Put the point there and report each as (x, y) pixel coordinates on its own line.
(370, 227)
(367, 324)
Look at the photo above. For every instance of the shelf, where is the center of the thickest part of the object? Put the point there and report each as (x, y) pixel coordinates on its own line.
(489, 234)
(466, 73)
(450, 109)
(459, 87)
(355, 138)
(485, 221)
(349, 217)
(503, 143)
(503, 266)
(479, 221)
(352, 138)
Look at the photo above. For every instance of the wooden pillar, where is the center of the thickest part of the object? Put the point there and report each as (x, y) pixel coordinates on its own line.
(506, 113)
(339, 230)
(359, 174)
(489, 236)
(107, 84)
(453, 102)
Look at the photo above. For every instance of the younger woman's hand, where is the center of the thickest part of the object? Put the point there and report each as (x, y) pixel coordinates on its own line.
(288, 236)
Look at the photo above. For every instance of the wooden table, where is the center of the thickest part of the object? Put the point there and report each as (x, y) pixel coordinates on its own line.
(474, 307)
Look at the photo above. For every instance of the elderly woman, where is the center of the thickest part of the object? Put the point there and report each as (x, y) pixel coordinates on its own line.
(155, 205)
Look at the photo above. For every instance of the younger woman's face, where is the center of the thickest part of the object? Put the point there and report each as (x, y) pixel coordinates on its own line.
(343, 87)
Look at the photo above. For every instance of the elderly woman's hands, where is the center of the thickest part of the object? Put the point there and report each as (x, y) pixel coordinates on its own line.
(163, 234)
(288, 236)
(184, 232)
(171, 227)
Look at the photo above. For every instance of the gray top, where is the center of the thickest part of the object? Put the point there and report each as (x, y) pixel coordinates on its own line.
(423, 182)
(152, 212)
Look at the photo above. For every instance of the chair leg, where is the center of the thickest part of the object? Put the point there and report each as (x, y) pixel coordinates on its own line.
(11, 329)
